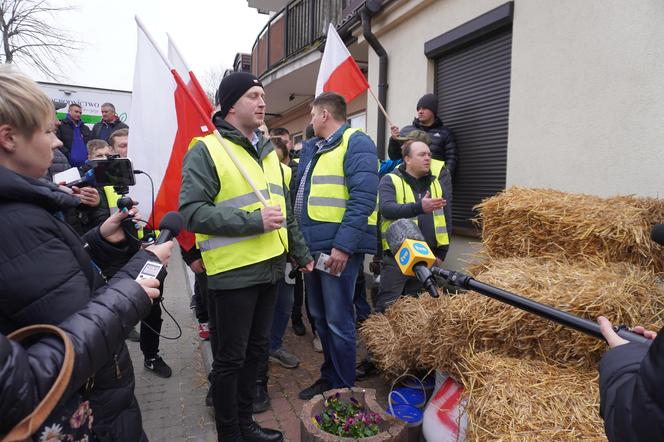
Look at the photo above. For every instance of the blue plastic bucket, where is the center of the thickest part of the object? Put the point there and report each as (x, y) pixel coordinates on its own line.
(427, 383)
(409, 414)
(409, 396)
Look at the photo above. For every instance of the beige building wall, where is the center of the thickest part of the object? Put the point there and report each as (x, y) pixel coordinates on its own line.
(587, 98)
(587, 87)
(402, 30)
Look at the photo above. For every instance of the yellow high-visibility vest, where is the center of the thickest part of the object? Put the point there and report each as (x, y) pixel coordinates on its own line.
(288, 174)
(112, 197)
(329, 195)
(224, 253)
(404, 195)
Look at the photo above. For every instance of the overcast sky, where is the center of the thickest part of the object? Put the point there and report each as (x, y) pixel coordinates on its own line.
(208, 33)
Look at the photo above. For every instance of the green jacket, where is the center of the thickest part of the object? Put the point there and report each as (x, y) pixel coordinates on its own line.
(200, 185)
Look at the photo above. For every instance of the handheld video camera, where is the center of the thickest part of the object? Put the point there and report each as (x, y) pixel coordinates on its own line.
(113, 171)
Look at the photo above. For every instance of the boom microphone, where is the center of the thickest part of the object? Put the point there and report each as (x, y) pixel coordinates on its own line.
(411, 252)
(169, 227)
(657, 234)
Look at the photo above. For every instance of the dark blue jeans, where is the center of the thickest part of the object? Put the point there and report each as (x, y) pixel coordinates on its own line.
(282, 313)
(331, 304)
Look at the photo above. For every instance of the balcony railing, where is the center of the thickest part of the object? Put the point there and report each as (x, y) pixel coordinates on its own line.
(295, 28)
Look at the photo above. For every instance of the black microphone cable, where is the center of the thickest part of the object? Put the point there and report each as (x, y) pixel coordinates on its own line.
(170, 338)
(136, 172)
(161, 298)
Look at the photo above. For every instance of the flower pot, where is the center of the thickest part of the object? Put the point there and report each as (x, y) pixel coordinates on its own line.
(391, 429)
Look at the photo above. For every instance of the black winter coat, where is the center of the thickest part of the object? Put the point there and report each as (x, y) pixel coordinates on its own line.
(391, 210)
(631, 379)
(66, 135)
(26, 374)
(59, 164)
(103, 130)
(84, 218)
(47, 275)
(443, 146)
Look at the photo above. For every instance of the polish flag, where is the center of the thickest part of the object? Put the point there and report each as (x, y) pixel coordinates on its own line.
(338, 71)
(165, 117)
(176, 58)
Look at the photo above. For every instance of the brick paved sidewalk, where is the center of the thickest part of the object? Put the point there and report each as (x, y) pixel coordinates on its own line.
(174, 409)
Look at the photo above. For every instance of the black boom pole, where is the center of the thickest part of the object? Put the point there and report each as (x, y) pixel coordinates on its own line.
(583, 325)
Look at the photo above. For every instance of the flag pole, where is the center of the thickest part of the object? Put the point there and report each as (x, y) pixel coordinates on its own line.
(389, 120)
(205, 117)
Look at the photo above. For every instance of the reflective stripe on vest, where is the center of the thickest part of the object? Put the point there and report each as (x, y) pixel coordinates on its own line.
(403, 194)
(329, 194)
(224, 253)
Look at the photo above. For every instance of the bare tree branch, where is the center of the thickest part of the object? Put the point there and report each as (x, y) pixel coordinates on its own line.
(28, 36)
(210, 80)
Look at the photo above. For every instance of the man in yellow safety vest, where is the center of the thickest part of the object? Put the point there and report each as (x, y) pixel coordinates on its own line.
(243, 246)
(337, 185)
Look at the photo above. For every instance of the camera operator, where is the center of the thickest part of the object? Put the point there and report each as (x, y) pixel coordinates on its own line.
(93, 209)
(49, 272)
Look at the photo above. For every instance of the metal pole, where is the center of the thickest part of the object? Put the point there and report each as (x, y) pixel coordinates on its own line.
(567, 319)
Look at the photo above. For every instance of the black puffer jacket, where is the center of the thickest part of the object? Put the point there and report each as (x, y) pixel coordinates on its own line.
(47, 275)
(631, 381)
(59, 164)
(26, 374)
(443, 146)
(66, 135)
(103, 130)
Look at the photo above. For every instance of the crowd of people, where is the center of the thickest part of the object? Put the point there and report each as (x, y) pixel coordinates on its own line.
(308, 245)
(297, 239)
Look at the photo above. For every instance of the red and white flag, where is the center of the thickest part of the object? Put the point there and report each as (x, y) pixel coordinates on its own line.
(177, 60)
(165, 117)
(338, 71)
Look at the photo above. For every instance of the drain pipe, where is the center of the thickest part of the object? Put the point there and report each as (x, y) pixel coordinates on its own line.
(371, 8)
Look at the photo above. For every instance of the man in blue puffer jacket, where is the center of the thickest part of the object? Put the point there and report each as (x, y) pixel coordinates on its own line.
(337, 184)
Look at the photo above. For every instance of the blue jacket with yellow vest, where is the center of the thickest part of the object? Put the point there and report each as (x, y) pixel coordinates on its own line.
(360, 167)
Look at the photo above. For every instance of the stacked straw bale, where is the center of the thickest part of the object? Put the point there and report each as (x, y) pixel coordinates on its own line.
(528, 378)
(512, 399)
(549, 223)
(435, 333)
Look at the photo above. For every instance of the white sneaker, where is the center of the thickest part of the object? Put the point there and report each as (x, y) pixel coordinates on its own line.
(318, 347)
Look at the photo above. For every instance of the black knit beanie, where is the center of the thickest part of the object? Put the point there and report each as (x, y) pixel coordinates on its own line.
(232, 87)
(428, 101)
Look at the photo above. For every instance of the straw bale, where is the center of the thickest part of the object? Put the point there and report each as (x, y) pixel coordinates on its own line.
(548, 223)
(623, 292)
(511, 399)
(408, 322)
(436, 333)
(381, 339)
